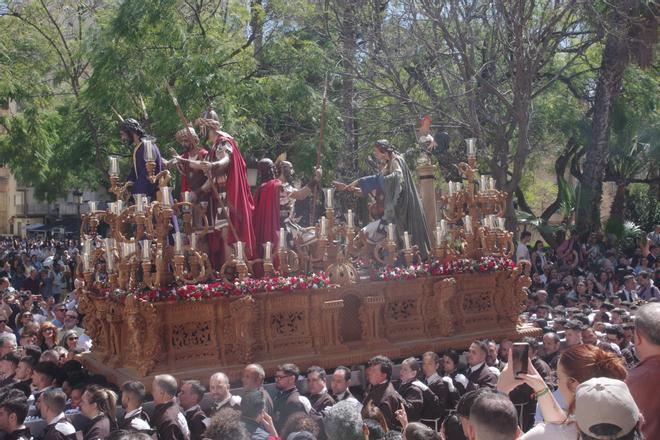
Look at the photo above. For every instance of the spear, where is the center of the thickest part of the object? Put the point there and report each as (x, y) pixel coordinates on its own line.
(324, 103)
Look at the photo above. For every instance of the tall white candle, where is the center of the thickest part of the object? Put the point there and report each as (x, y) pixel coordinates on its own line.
(324, 226)
(468, 224)
(349, 218)
(178, 243)
(166, 193)
(268, 250)
(92, 206)
(459, 187)
(240, 253)
(149, 151)
(491, 183)
(114, 166)
(87, 246)
(438, 235)
(282, 239)
(406, 240)
(119, 206)
(109, 254)
(501, 222)
(140, 203)
(391, 228)
(146, 249)
(484, 181)
(443, 226)
(112, 207)
(329, 195)
(471, 146)
(187, 197)
(193, 240)
(451, 188)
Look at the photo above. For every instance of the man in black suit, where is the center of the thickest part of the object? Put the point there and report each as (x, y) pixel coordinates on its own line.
(381, 392)
(191, 393)
(629, 290)
(318, 392)
(288, 400)
(253, 380)
(341, 381)
(479, 375)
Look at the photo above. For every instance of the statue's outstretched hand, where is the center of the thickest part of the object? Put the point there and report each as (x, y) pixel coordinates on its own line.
(339, 186)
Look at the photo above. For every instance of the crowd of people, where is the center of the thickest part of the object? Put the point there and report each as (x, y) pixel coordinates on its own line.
(591, 373)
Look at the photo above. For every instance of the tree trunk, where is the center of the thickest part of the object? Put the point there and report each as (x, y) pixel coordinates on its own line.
(618, 204)
(613, 64)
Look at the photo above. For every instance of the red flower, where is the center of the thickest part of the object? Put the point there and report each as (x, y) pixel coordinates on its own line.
(197, 295)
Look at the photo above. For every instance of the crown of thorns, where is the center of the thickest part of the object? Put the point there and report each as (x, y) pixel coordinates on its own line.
(132, 125)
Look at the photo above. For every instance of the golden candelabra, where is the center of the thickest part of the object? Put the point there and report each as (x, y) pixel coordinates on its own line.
(480, 210)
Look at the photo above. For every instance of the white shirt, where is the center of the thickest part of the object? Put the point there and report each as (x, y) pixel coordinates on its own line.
(552, 431)
(522, 252)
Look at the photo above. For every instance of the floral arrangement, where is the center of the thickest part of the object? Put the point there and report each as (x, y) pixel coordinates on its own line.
(485, 264)
(224, 288)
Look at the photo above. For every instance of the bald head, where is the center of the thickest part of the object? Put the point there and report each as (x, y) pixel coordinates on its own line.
(647, 330)
(253, 376)
(219, 386)
(164, 388)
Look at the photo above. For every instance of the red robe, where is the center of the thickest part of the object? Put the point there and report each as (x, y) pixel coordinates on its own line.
(267, 214)
(240, 203)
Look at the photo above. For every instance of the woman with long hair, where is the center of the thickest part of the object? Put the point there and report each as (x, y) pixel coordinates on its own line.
(47, 336)
(100, 406)
(69, 341)
(576, 365)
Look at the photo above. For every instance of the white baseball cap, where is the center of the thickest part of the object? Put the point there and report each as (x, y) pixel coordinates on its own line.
(605, 409)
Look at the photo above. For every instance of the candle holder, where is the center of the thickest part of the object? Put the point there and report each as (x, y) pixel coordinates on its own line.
(287, 261)
(267, 262)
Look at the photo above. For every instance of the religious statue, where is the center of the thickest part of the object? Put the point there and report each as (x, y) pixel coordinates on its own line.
(267, 206)
(288, 197)
(226, 172)
(191, 179)
(401, 202)
(132, 133)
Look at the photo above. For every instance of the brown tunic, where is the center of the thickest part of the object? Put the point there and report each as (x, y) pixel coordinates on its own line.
(170, 422)
(386, 398)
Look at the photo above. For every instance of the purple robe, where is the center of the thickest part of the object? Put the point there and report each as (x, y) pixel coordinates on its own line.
(138, 174)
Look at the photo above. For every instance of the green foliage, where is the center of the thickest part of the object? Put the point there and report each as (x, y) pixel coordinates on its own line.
(643, 206)
(627, 233)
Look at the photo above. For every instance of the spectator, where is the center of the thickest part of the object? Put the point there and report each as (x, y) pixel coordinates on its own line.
(340, 383)
(493, 417)
(47, 336)
(13, 411)
(318, 393)
(253, 379)
(647, 288)
(100, 406)
(576, 365)
(132, 397)
(641, 378)
(52, 404)
(219, 388)
(551, 346)
(450, 363)
(418, 431)
(8, 366)
(479, 375)
(573, 330)
(418, 399)
(288, 399)
(257, 421)
(604, 408)
(227, 425)
(381, 392)
(343, 421)
(522, 251)
(167, 419)
(190, 395)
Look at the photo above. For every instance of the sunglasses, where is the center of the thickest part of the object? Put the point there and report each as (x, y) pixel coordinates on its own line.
(73, 338)
(3, 321)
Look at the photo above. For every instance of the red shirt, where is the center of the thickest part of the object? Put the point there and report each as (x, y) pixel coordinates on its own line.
(640, 381)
